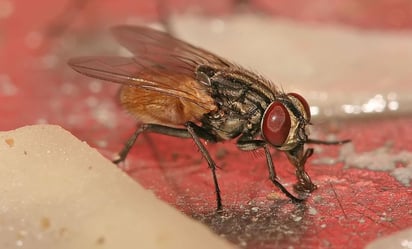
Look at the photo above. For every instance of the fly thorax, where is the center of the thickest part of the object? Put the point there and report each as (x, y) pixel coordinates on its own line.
(239, 106)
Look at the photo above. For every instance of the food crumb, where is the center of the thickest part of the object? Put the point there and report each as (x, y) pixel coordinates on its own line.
(9, 141)
(100, 240)
(272, 196)
(45, 223)
(398, 164)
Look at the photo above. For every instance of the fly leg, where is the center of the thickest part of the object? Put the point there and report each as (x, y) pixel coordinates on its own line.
(244, 144)
(196, 132)
(191, 131)
(298, 158)
(273, 178)
(149, 128)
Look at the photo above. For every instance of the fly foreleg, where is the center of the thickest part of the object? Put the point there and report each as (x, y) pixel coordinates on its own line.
(298, 158)
(244, 144)
(155, 128)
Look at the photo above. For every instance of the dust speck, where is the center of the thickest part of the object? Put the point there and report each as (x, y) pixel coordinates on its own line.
(312, 211)
(297, 218)
(62, 231)
(255, 209)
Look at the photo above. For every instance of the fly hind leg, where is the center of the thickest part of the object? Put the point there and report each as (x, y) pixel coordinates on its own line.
(198, 132)
(155, 128)
(192, 131)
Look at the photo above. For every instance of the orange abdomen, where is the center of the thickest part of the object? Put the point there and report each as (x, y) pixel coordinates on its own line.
(157, 108)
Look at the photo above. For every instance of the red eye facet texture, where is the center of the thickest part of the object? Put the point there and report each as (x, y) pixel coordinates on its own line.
(276, 124)
(303, 101)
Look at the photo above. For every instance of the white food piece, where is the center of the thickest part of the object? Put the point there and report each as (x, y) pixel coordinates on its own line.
(399, 240)
(57, 192)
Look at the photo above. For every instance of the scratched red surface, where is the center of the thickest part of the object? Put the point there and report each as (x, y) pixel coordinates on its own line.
(351, 207)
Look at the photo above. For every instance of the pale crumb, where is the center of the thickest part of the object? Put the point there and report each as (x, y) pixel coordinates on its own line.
(9, 141)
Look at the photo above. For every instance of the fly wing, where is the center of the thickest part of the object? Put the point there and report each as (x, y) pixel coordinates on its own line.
(157, 46)
(161, 63)
(132, 72)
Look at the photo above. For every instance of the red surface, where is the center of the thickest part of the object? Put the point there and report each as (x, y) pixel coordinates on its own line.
(350, 208)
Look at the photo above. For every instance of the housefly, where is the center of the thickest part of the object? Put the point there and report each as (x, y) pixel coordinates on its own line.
(177, 89)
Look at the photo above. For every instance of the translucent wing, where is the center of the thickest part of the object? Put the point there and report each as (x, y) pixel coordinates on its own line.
(161, 63)
(129, 71)
(157, 46)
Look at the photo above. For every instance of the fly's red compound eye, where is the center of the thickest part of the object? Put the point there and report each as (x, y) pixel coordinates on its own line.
(276, 124)
(303, 102)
